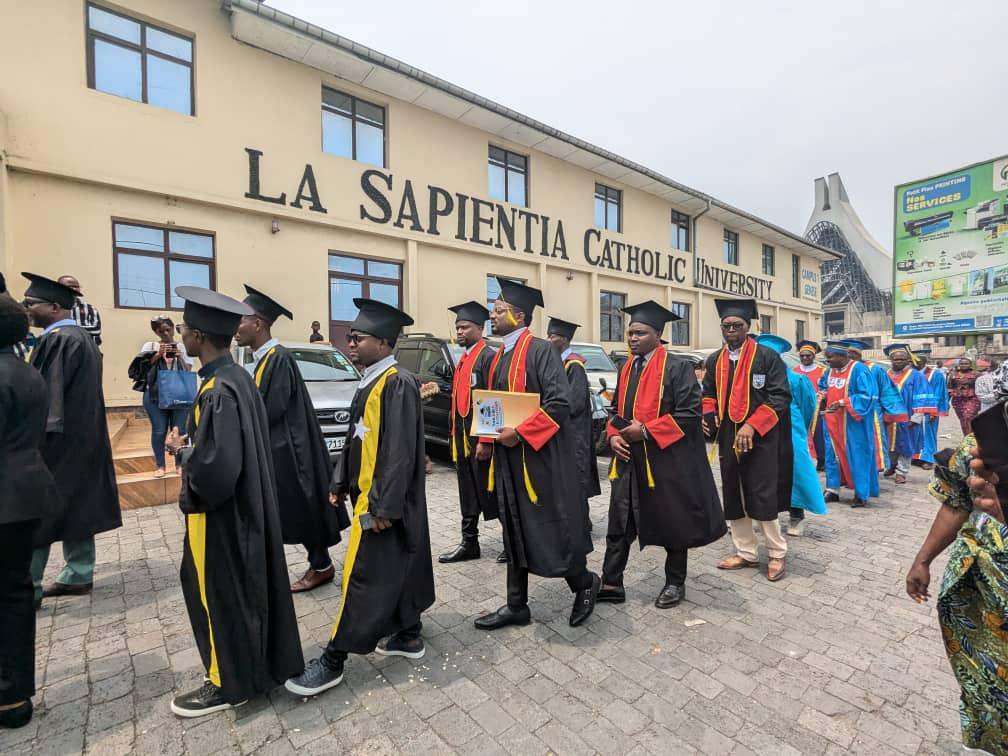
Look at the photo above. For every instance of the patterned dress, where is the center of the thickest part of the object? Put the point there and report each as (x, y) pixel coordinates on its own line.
(973, 610)
(962, 391)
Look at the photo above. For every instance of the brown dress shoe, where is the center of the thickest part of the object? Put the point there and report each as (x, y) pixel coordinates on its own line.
(900, 478)
(735, 562)
(313, 579)
(775, 570)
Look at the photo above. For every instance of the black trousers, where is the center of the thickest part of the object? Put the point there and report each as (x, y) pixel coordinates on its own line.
(618, 552)
(318, 558)
(796, 513)
(578, 579)
(17, 612)
(334, 656)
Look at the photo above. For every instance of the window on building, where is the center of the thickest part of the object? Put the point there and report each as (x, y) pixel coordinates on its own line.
(351, 277)
(608, 208)
(138, 61)
(611, 305)
(954, 340)
(150, 261)
(507, 176)
(795, 276)
(680, 231)
(730, 247)
(799, 331)
(680, 329)
(834, 323)
(493, 293)
(353, 128)
(769, 261)
(766, 323)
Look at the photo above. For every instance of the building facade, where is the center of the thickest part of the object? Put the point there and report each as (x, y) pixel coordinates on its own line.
(149, 145)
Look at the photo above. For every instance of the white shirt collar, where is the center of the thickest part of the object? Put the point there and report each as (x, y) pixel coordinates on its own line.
(807, 368)
(512, 338)
(647, 357)
(59, 324)
(259, 353)
(371, 372)
(565, 354)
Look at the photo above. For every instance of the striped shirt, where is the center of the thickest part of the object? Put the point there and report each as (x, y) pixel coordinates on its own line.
(88, 318)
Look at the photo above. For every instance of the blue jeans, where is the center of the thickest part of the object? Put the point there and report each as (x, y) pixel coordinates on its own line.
(161, 420)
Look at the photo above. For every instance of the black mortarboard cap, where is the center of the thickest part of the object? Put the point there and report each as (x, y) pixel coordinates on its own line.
(50, 291)
(525, 298)
(737, 308)
(3, 284)
(210, 311)
(379, 319)
(474, 312)
(264, 306)
(562, 328)
(650, 313)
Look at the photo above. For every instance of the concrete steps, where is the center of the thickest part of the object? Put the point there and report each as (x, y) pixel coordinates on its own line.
(135, 465)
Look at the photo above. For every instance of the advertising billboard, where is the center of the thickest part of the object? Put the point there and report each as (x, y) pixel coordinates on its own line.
(950, 252)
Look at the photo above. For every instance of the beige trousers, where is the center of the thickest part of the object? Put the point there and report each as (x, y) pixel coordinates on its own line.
(746, 541)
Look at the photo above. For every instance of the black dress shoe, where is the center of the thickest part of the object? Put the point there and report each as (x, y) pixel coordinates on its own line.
(858, 503)
(502, 558)
(831, 497)
(503, 617)
(670, 595)
(64, 589)
(890, 472)
(584, 601)
(615, 595)
(462, 553)
(19, 716)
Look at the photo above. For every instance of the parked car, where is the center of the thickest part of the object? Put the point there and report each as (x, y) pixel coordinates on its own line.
(331, 380)
(602, 374)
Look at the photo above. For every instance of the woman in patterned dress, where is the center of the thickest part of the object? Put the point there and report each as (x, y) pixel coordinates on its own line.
(962, 392)
(973, 601)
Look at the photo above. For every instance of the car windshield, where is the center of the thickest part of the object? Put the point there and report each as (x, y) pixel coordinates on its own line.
(596, 360)
(324, 365)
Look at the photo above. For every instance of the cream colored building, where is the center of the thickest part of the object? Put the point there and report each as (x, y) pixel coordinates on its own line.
(147, 144)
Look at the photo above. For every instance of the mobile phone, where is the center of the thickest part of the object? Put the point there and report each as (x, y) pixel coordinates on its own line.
(991, 430)
(366, 521)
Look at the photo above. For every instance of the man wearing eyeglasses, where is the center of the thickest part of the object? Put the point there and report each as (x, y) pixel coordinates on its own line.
(746, 405)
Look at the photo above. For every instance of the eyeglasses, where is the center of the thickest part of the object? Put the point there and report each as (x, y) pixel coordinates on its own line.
(732, 326)
(30, 301)
(355, 338)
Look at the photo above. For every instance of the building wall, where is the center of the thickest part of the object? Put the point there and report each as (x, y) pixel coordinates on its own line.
(76, 158)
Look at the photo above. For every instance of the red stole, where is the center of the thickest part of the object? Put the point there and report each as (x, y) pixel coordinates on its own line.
(741, 382)
(516, 373)
(462, 383)
(649, 387)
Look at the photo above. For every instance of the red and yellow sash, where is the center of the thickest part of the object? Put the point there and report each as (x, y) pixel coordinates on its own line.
(461, 402)
(763, 418)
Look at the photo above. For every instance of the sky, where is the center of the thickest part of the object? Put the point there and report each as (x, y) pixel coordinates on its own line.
(749, 101)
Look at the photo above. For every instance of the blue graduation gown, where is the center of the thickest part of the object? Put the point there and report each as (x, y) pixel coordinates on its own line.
(913, 387)
(888, 409)
(805, 490)
(850, 447)
(939, 392)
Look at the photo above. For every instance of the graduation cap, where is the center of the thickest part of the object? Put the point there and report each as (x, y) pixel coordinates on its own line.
(525, 298)
(472, 311)
(3, 284)
(650, 313)
(778, 343)
(836, 347)
(210, 311)
(561, 328)
(856, 345)
(923, 352)
(265, 307)
(808, 346)
(737, 308)
(897, 347)
(48, 290)
(379, 319)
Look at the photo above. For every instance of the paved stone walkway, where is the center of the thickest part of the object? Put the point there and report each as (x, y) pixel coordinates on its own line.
(834, 658)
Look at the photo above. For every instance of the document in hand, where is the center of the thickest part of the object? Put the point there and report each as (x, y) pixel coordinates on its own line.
(501, 409)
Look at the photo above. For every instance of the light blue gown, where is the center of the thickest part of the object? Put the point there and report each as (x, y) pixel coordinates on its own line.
(939, 392)
(806, 492)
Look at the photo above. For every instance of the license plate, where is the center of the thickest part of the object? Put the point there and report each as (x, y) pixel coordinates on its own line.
(335, 444)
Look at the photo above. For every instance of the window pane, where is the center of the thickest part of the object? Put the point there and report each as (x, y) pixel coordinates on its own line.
(141, 281)
(197, 245)
(337, 137)
(498, 155)
(139, 237)
(168, 85)
(341, 296)
(604, 301)
(170, 44)
(370, 144)
(383, 270)
(117, 70)
(612, 216)
(493, 290)
(186, 274)
(409, 358)
(516, 161)
(371, 113)
(341, 264)
(387, 293)
(113, 25)
(336, 100)
(516, 188)
(495, 179)
(600, 221)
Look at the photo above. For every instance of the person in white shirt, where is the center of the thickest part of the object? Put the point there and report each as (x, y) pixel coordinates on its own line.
(164, 354)
(984, 387)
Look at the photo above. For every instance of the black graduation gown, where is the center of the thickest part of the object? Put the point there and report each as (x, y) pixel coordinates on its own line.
(234, 573)
(682, 510)
(388, 578)
(581, 424)
(756, 484)
(548, 536)
(473, 475)
(301, 464)
(76, 449)
(27, 491)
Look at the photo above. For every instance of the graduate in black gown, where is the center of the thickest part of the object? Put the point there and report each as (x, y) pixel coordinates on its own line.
(234, 573)
(663, 491)
(747, 406)
(76, 449)
(388, 579)
(560, 332)
(470, 373)
(540, 499)
(301, 466)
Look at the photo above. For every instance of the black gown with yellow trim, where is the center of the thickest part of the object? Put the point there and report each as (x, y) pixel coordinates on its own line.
(388, 578)
(301, 465)
(234, 573)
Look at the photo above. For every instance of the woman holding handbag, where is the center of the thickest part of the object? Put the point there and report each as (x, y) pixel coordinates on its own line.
(165, 354)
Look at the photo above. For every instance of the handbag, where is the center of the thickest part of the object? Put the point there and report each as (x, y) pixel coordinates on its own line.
(176, 389)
